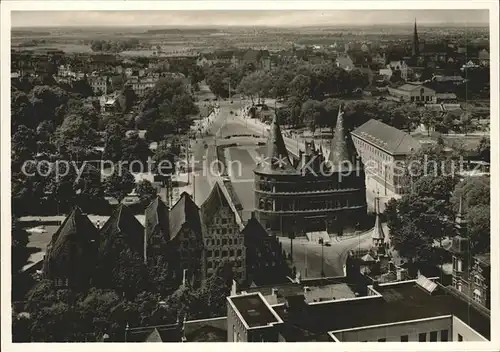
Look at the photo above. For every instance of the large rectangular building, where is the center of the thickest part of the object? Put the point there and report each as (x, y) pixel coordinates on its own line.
(414, 93)
(383, 150)
(415, 310)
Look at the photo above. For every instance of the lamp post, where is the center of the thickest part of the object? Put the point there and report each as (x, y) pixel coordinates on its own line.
(322, 259)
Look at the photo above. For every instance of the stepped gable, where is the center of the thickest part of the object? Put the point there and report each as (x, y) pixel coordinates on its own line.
(277, 161)
(219, 197)
(184, 211)
(342, 149)
(157, 217)
(122, 229)
(72, 247)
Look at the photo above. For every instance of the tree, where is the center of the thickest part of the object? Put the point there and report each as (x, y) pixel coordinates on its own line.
(89, 190)
(483, 149)
(300, 87)
(256, 84)
(136, 148)
(49, 103)
(165, 156)
(146, 192)
(119, 184)
(24, 146)
(76, 136)
(21, 110)
(429, 119)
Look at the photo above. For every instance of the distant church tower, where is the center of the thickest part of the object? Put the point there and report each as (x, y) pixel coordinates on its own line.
(415, 46)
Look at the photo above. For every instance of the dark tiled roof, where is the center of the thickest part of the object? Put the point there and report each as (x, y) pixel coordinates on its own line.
(386, 137)
(277, 160)
(184, 211)
(73, 243)
(156, 216)
(398, 303)
(342, 149)
(122, 226)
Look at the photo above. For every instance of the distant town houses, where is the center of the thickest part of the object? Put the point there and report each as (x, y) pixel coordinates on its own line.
(344, 62)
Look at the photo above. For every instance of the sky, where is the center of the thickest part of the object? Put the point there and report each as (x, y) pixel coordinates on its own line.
(286, 18)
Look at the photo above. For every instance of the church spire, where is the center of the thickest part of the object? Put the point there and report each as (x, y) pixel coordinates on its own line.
(460, 221)
(276, 160)
(415, 48)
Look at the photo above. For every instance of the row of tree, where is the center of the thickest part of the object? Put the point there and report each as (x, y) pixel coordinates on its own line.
(64, 315)
(423, 218)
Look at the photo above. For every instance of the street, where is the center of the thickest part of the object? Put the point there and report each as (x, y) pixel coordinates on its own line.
(307, 255)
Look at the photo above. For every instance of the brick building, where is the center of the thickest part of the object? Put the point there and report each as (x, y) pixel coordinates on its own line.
(222, 236)
(314, 193)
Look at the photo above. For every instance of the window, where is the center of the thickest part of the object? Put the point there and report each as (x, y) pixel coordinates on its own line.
(218, 242)
(216, 253)
(224, 241)
(209, 254)
(459, 265)
(224, 254)
(230, 241)
(433, 336)
(238, 252)
(224, 221)
(218, 232)
(209, 265)
(224, 231)
(422, 337)
(404, 338)
(444, 335)
(231, 252)
(460, 338)
(382, 340)
(235, 241)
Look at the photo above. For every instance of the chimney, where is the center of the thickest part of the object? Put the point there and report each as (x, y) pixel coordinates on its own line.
(274, 291)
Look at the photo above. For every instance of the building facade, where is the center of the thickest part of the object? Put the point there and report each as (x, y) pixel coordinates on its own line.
(384, 150)
(414, 93)
(314, 193)
(222, 234)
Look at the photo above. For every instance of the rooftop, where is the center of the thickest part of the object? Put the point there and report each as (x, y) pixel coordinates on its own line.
(396, 302)
(311, 293)
(254, 310)
(387, 137)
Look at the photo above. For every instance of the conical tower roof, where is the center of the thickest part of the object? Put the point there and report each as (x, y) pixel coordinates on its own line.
(415, 48)
(377, 231)
(342, 149)
(276, 160)
(460, 220)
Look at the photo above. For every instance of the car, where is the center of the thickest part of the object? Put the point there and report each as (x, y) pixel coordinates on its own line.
(328, 244)
(231, 112)
(205, 145)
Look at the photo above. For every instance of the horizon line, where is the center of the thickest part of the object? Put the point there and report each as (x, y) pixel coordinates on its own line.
(420, 24)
